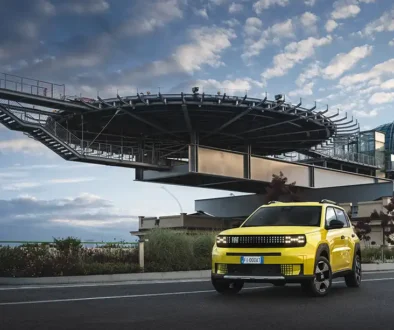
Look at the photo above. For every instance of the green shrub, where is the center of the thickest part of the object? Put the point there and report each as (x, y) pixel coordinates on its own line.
(374, 254)
(170, 250)
(65, 257)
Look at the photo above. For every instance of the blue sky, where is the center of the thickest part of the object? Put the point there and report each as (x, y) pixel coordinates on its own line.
(338, 53)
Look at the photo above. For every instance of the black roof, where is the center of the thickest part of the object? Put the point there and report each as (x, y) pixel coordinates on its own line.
(220, 121)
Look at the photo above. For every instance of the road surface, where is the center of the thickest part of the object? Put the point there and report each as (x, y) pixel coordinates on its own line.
(194, 305)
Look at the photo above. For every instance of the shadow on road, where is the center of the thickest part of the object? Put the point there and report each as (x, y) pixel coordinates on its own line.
(290, 293)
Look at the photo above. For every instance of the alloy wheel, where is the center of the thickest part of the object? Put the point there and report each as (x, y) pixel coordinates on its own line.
(322, 277)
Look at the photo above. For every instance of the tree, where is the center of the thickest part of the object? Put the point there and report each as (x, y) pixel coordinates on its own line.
(363, 228)
(387, 222)
(278, 188)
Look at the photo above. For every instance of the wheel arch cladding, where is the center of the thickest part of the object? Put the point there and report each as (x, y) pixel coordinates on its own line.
(357, 249)
(323, 251)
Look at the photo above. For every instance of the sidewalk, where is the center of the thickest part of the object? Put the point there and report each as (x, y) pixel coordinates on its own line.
(170, 276)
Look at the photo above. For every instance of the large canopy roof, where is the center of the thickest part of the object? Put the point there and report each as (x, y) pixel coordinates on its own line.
(219, 121)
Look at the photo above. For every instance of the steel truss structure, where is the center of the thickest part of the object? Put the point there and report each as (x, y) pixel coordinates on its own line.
(154, 131)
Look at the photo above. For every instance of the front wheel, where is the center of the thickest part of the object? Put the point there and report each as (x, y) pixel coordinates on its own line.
(353, 280)
(227, 287)
(322, 281)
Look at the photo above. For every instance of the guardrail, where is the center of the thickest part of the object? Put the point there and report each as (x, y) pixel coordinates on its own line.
(32, 86)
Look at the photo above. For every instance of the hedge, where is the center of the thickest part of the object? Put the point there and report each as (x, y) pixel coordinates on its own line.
(166, 250)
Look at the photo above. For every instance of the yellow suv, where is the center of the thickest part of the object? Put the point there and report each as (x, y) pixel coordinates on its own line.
(307, 243)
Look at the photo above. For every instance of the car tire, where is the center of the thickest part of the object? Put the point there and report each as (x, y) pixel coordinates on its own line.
(321, 284)
(353, 280)
(227, 287)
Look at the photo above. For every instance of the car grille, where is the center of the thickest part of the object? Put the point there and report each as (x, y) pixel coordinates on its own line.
(259, 270)
(256, 241)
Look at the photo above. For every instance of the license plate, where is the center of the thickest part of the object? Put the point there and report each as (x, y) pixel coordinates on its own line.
(252, 260)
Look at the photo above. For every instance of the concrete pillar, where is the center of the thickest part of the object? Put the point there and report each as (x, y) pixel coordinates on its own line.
(141, 257)
(193, 157)
(247, 156)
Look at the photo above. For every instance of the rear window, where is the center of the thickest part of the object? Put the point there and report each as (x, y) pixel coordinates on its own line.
(285, 216)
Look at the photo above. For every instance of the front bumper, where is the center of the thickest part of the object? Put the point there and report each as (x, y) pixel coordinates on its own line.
(263, 279)
(289, 265)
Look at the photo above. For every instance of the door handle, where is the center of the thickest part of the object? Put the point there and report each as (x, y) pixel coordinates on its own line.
(353, 235)
(342, 237)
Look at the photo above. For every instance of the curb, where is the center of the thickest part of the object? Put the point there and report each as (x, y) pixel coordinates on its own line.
(187, 275)
(169, 276)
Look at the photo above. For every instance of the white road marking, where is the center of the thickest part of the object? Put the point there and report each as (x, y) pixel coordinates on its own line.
(120, 297)
(154, 294)
(83, 285)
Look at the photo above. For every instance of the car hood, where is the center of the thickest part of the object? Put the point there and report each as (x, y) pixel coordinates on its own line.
(276, 230)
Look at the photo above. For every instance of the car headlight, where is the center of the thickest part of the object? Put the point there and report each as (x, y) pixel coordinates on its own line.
(221, 241)
(295, 240)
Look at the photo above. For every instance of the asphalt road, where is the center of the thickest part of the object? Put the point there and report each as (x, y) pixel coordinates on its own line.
(195, 305)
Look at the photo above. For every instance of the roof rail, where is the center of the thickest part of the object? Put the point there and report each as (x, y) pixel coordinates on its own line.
(327, 201)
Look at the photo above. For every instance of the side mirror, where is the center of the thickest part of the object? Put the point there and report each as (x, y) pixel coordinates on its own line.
(335, 224)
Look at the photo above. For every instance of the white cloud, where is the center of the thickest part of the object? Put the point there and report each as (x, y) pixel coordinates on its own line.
(22, 185)
(232, 87)
(331, 25)
(232, 23)
(256, 40)
(391, 43)
(201, 12)
(306, 89)
(261, 5)
(378, 71)
(253, 26)
(85, 6)
(309, 20)
(151, 16)
(294, 53)
(235, 8)
(389, 84)
(345, 61)
(207, 45)
(310, 3)
(365, 114)
(345, 9)
(85, 210)
(27, 146)
(383, 23)
(313, 70)
(381, 97)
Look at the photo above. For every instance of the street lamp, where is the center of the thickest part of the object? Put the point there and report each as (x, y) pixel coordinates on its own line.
(173, 196)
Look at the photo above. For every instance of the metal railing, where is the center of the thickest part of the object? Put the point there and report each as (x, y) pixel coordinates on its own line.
(86, 147)
(345, 156)
(350, 157)
(32, 86)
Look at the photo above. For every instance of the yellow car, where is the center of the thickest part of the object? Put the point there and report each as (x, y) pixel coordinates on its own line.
(307, 243)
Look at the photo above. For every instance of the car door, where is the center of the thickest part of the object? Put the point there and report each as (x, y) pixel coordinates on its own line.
(335, 241)
(347, 232)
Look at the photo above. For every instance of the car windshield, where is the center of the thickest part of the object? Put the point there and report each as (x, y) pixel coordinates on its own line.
(285, 216)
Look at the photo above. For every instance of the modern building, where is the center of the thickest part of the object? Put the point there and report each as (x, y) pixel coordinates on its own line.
(198, 221)
(233, 143)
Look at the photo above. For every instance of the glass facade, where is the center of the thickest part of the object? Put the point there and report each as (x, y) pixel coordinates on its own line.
(388, 131)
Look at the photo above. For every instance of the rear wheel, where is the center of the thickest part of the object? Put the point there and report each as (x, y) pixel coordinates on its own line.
(322, 281)
(353, 280)
(227, 287)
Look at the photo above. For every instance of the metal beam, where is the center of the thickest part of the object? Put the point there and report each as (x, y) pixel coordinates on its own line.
(240, 115)
(145, 121)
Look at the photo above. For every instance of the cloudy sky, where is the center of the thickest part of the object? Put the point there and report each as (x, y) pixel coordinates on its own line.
(338, 53)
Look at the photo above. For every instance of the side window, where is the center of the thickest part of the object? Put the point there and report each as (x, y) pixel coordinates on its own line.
(342, 217)
(330, 215)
